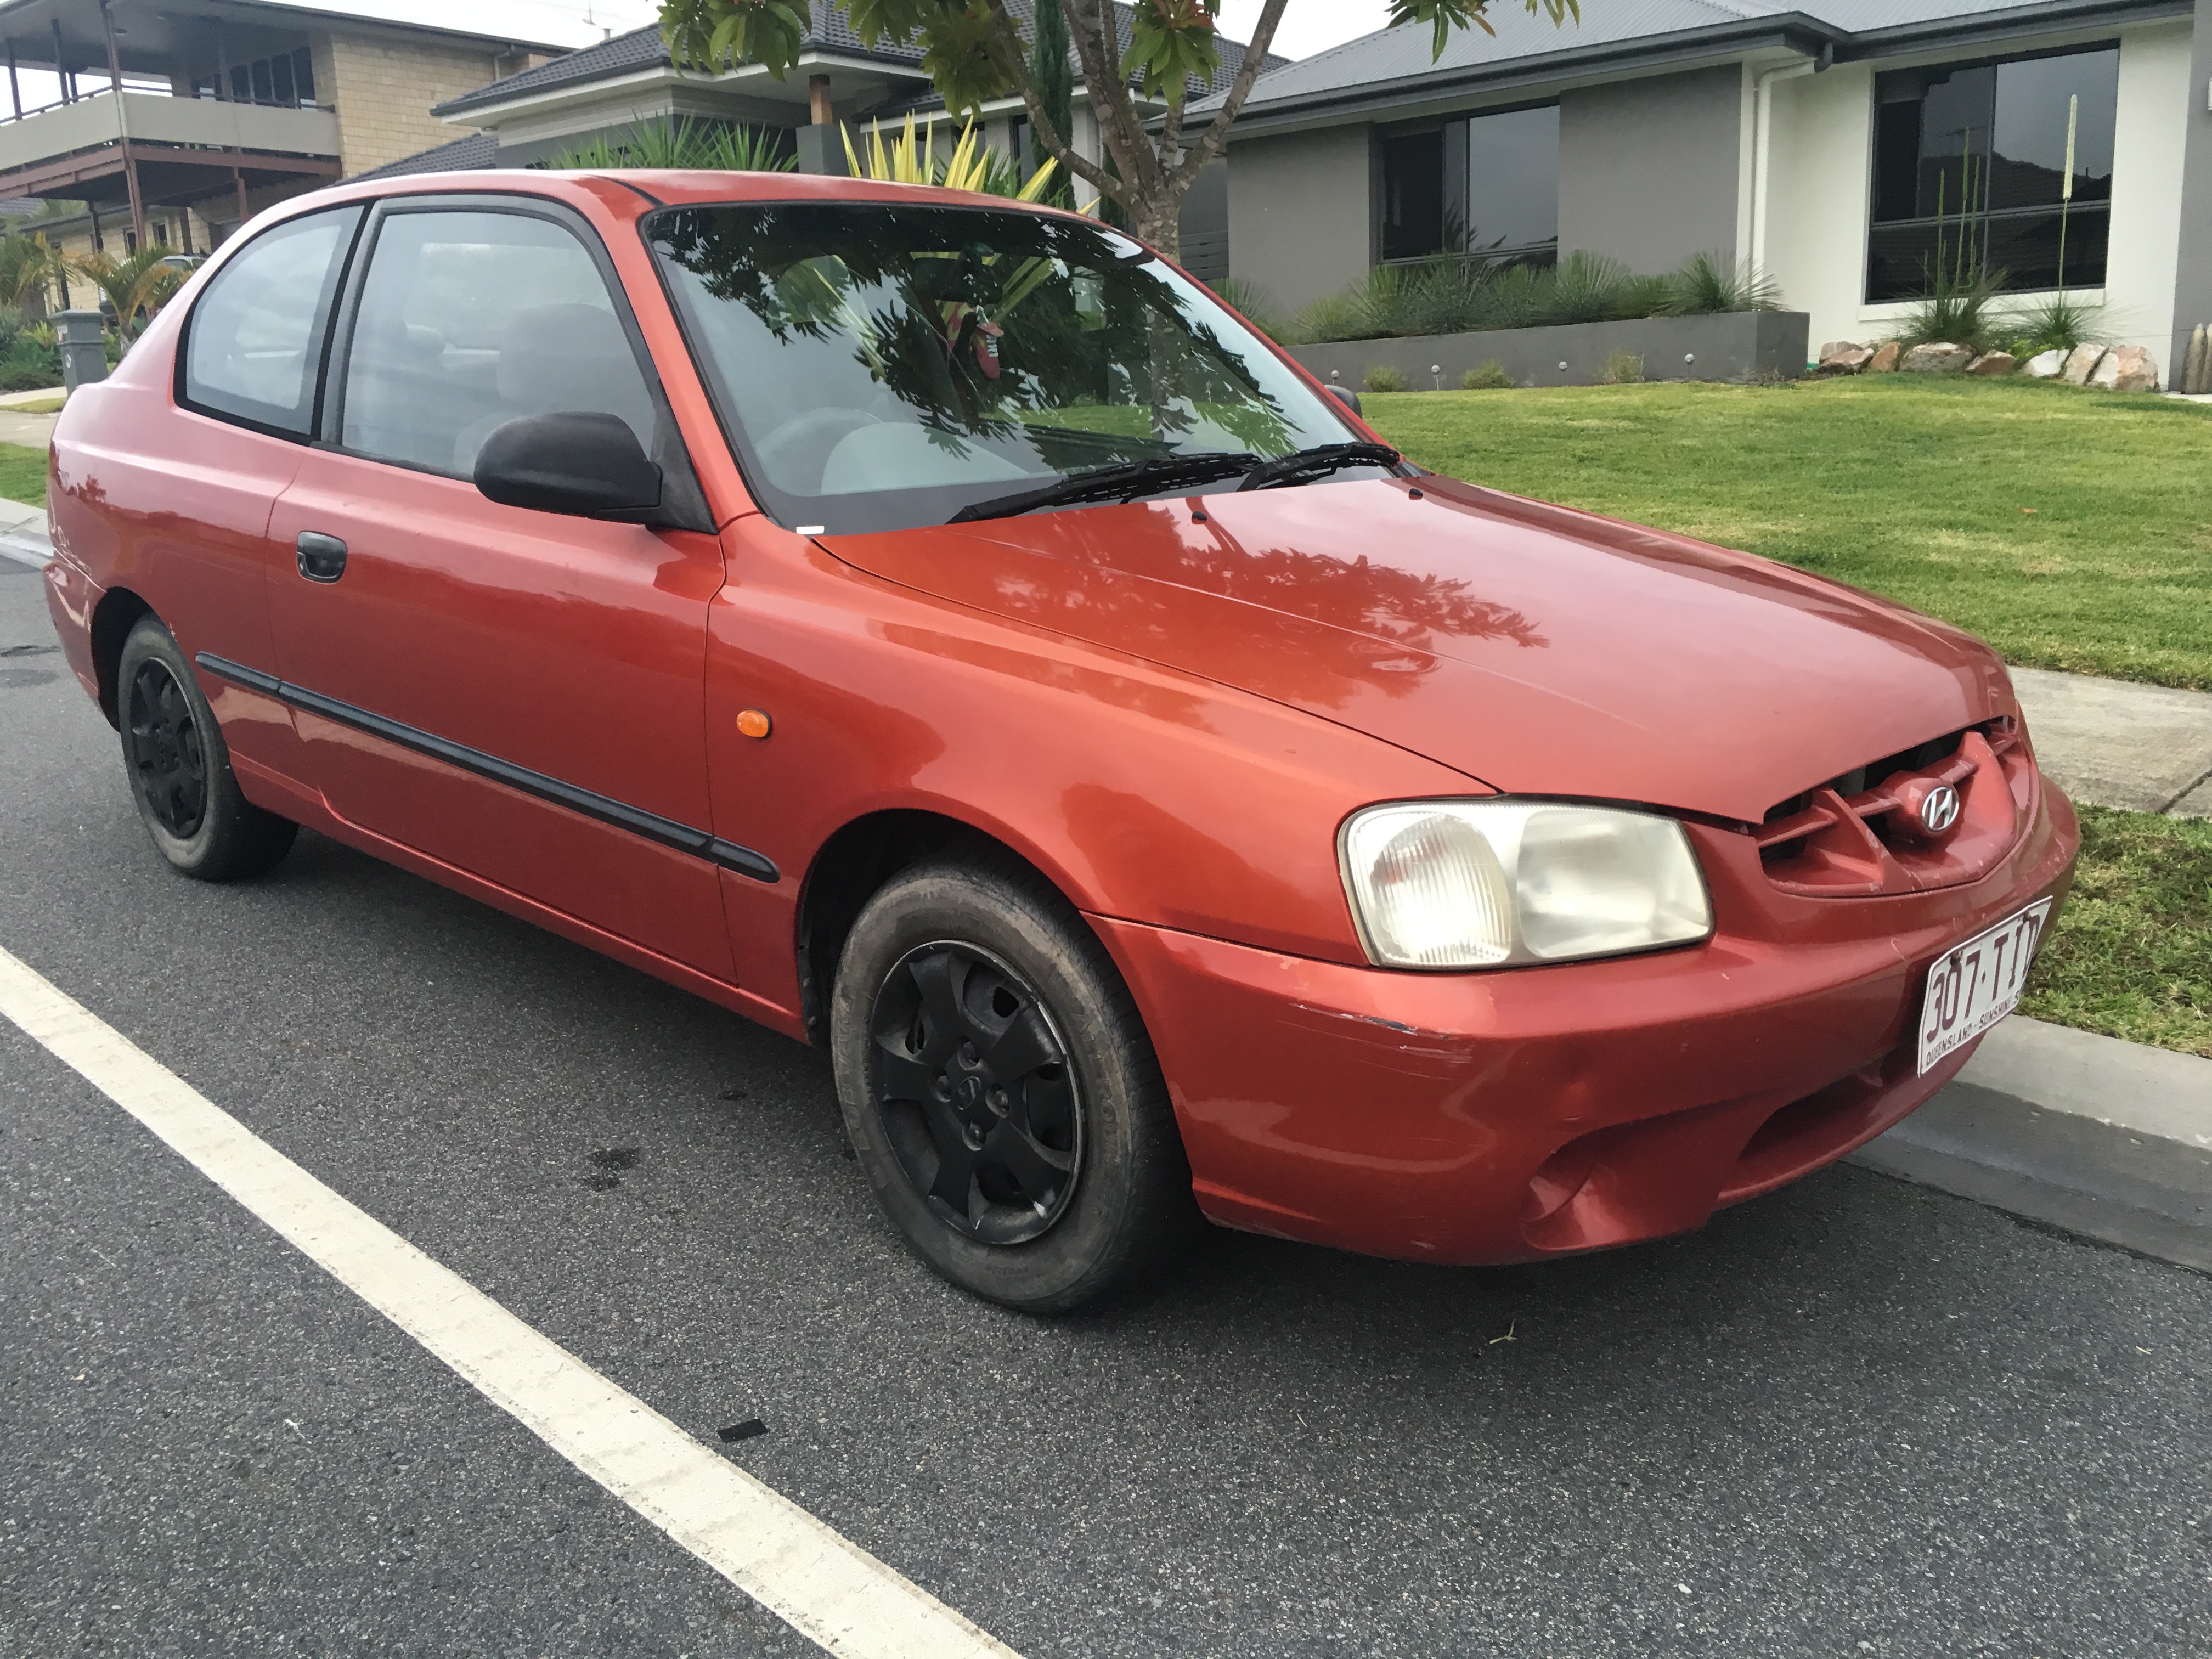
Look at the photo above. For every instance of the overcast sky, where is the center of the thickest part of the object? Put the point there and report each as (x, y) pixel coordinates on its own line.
(1308, 26)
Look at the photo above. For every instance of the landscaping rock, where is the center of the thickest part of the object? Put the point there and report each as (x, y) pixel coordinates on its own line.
(2082, 362)
(2107, 377)
(1993, 362)
(2047, 365)
(1885, 358)
(2133, 370)
(1844, 357)
(1942, 358)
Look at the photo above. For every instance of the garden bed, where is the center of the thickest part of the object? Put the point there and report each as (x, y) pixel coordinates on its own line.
(1746, 345)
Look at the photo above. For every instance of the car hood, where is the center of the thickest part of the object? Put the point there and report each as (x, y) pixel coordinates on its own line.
(1538, 650)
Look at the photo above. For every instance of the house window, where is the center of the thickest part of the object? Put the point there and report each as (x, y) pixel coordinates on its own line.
(1970, 174)
(287, 80)
(1487, 186)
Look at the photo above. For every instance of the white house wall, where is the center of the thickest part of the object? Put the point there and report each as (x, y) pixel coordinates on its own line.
(1819, 172)
(2147, 151)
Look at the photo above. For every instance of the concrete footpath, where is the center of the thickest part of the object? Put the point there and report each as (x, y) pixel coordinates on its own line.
(2100, 1139)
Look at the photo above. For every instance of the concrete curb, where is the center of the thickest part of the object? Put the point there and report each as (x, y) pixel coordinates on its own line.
(2104, 1139)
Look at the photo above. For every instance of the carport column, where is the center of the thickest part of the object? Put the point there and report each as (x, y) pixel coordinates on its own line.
(821, 146)
(84, 355)
(122, 127)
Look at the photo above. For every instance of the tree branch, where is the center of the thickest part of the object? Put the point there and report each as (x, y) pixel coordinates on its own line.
(1058, 145)
(1098, 48)
(1255, 55)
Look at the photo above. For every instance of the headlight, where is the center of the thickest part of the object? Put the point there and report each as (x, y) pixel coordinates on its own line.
(1494, 884)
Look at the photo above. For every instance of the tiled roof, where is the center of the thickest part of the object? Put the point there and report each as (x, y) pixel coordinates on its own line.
(832, 31)
(1394, 58)
(469, 154)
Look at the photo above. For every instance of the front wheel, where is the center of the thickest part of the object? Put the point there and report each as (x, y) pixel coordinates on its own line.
(1000, 1091)
(179, 766)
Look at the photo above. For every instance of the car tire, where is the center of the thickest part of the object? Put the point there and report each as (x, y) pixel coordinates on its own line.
(1000, 1090)
(179, 767)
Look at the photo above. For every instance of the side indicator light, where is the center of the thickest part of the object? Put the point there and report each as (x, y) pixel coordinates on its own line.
(752, 723)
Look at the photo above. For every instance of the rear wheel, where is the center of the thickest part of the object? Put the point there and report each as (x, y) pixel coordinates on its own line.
(1000, 1091)
(179, 768)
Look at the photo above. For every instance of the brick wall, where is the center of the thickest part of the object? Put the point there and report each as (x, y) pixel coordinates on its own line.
(383, 89)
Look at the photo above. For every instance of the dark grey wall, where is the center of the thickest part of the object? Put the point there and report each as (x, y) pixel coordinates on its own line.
(1204, 225)
(2192, 291)
(1300, 220)
(1648, 168)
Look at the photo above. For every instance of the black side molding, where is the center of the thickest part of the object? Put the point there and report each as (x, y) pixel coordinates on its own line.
(700, 843)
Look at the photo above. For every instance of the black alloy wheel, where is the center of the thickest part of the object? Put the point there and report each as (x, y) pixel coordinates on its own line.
(978, 1099)
(173, 753)
(168, 764)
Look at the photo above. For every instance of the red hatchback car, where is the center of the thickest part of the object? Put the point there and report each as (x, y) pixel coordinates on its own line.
(938, 629)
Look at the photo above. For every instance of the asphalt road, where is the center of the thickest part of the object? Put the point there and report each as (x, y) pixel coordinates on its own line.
(1857, 1417)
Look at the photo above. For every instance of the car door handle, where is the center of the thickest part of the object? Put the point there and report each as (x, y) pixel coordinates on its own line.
(322, 558)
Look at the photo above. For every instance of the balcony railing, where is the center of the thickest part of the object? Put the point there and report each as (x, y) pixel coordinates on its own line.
(101, 118)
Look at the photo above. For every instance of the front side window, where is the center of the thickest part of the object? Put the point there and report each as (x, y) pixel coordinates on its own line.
(1971, 179)
(254, 344)
(879, 367)
(470, 319)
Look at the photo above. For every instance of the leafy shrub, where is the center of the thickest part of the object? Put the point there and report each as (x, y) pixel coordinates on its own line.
(1488, 376)
(681, 144)
(1383, 377)
(1253, 303)
(1624, 369)
(1586, 287)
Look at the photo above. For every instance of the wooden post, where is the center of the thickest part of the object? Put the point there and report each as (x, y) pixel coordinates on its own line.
(238, 178)
(61, 68)
(98, 246)
(14, 87)
(122, 127)
(818, 101)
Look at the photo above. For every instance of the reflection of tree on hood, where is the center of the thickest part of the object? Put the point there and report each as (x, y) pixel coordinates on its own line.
(914, 286)
(1400, 612)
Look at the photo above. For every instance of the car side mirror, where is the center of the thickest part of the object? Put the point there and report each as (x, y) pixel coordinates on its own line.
(586, 465)
(1349, 399)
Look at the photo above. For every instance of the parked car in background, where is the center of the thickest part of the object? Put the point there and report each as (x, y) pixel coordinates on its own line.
(938, 629)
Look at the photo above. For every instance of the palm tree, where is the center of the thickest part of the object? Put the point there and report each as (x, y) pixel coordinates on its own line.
(140, 282)
(27, 261)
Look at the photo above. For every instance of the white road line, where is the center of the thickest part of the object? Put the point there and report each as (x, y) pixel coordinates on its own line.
(826, 1588)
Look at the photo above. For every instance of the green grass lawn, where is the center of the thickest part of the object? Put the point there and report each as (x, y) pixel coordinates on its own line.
(23, 474)
(2132, 956)
(2070, 529)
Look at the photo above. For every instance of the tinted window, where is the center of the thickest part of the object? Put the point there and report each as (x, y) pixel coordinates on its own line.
(468, 320)
(1488, 185)
(1969, 172)
(255, 340)
(884, 367)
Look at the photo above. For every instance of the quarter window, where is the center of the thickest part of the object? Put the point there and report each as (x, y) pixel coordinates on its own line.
(254, 347)
(1971, 179)
(469, 319)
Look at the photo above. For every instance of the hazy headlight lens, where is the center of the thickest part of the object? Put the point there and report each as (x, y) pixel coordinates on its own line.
(1490, 883)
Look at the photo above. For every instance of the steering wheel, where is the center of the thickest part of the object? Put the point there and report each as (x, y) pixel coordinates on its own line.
(824, 429)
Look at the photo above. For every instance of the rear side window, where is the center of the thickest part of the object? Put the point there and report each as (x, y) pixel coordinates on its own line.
(254, 344)
(469, 319)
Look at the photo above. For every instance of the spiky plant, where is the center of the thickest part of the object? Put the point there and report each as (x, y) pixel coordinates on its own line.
(910, 158)
(1712, 284)
(681, 145)
(2057, 323)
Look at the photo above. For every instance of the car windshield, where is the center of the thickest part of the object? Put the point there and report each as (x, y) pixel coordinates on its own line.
(884, 367)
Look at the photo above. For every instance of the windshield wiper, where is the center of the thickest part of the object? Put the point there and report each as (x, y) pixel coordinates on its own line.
(1308, 464)
(1118, 483)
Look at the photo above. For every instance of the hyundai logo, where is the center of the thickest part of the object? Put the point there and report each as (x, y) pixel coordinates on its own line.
(1940, 810)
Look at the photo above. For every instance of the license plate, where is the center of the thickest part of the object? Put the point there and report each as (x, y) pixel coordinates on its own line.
(1979, 983)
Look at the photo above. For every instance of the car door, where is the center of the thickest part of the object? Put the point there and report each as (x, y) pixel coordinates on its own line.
(515, 694)
(188, 499)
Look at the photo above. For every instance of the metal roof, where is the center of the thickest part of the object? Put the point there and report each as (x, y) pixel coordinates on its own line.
(831, 31)
(1398, 60)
